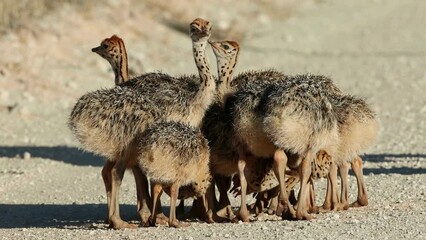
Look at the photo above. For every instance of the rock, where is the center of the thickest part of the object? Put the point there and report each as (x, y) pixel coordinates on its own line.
(354, 221)
(27, 156)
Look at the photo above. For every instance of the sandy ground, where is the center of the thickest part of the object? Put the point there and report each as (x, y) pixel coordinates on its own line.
(376, 49)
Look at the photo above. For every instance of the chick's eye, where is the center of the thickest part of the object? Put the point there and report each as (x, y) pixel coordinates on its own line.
(226, 47)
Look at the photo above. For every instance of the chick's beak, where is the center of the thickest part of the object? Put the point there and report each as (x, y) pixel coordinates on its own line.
(214, 44)
(96, 49)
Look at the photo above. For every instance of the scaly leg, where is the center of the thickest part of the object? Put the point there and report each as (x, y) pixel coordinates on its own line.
(144, 201)
(223, 184)
(203, 207)
(156, 191)
(312, 203)
(258, 207)
(279, 165)
(305, 174)
(343, 169)
(362, 199)
(272, 208)
(335, 204)
(243, 214)
(326, 206)
(272, 202)
(209, 206)
(173, 222)
(115, 220)
(106, 176)
(161, 218)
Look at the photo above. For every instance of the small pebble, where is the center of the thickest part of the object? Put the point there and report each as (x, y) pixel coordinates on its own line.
(27, 156)
(354, 221)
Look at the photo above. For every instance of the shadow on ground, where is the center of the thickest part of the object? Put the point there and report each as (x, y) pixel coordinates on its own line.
(76, 156)
(85, 216)
(395, 170)
(379, 158)
(65, 154)
(391, 156)
(61, 216)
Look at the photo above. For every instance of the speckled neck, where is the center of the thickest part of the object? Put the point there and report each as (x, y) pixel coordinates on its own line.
(199, 53)
(225, 70)
(206, 92)
(120, 66)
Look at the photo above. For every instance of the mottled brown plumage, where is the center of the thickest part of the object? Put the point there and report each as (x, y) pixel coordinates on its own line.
(358, 127)
(106, 122)
(216, 123)
(285, 116)
(217, 126)
(172, 155)
(261, 76)
(114, 51)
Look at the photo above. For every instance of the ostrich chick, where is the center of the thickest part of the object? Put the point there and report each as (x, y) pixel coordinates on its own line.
(172, 155)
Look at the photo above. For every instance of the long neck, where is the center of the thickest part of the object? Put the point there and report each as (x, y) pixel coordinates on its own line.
(120, 67)
(225, 71)
(199, 52)
(205, 95)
